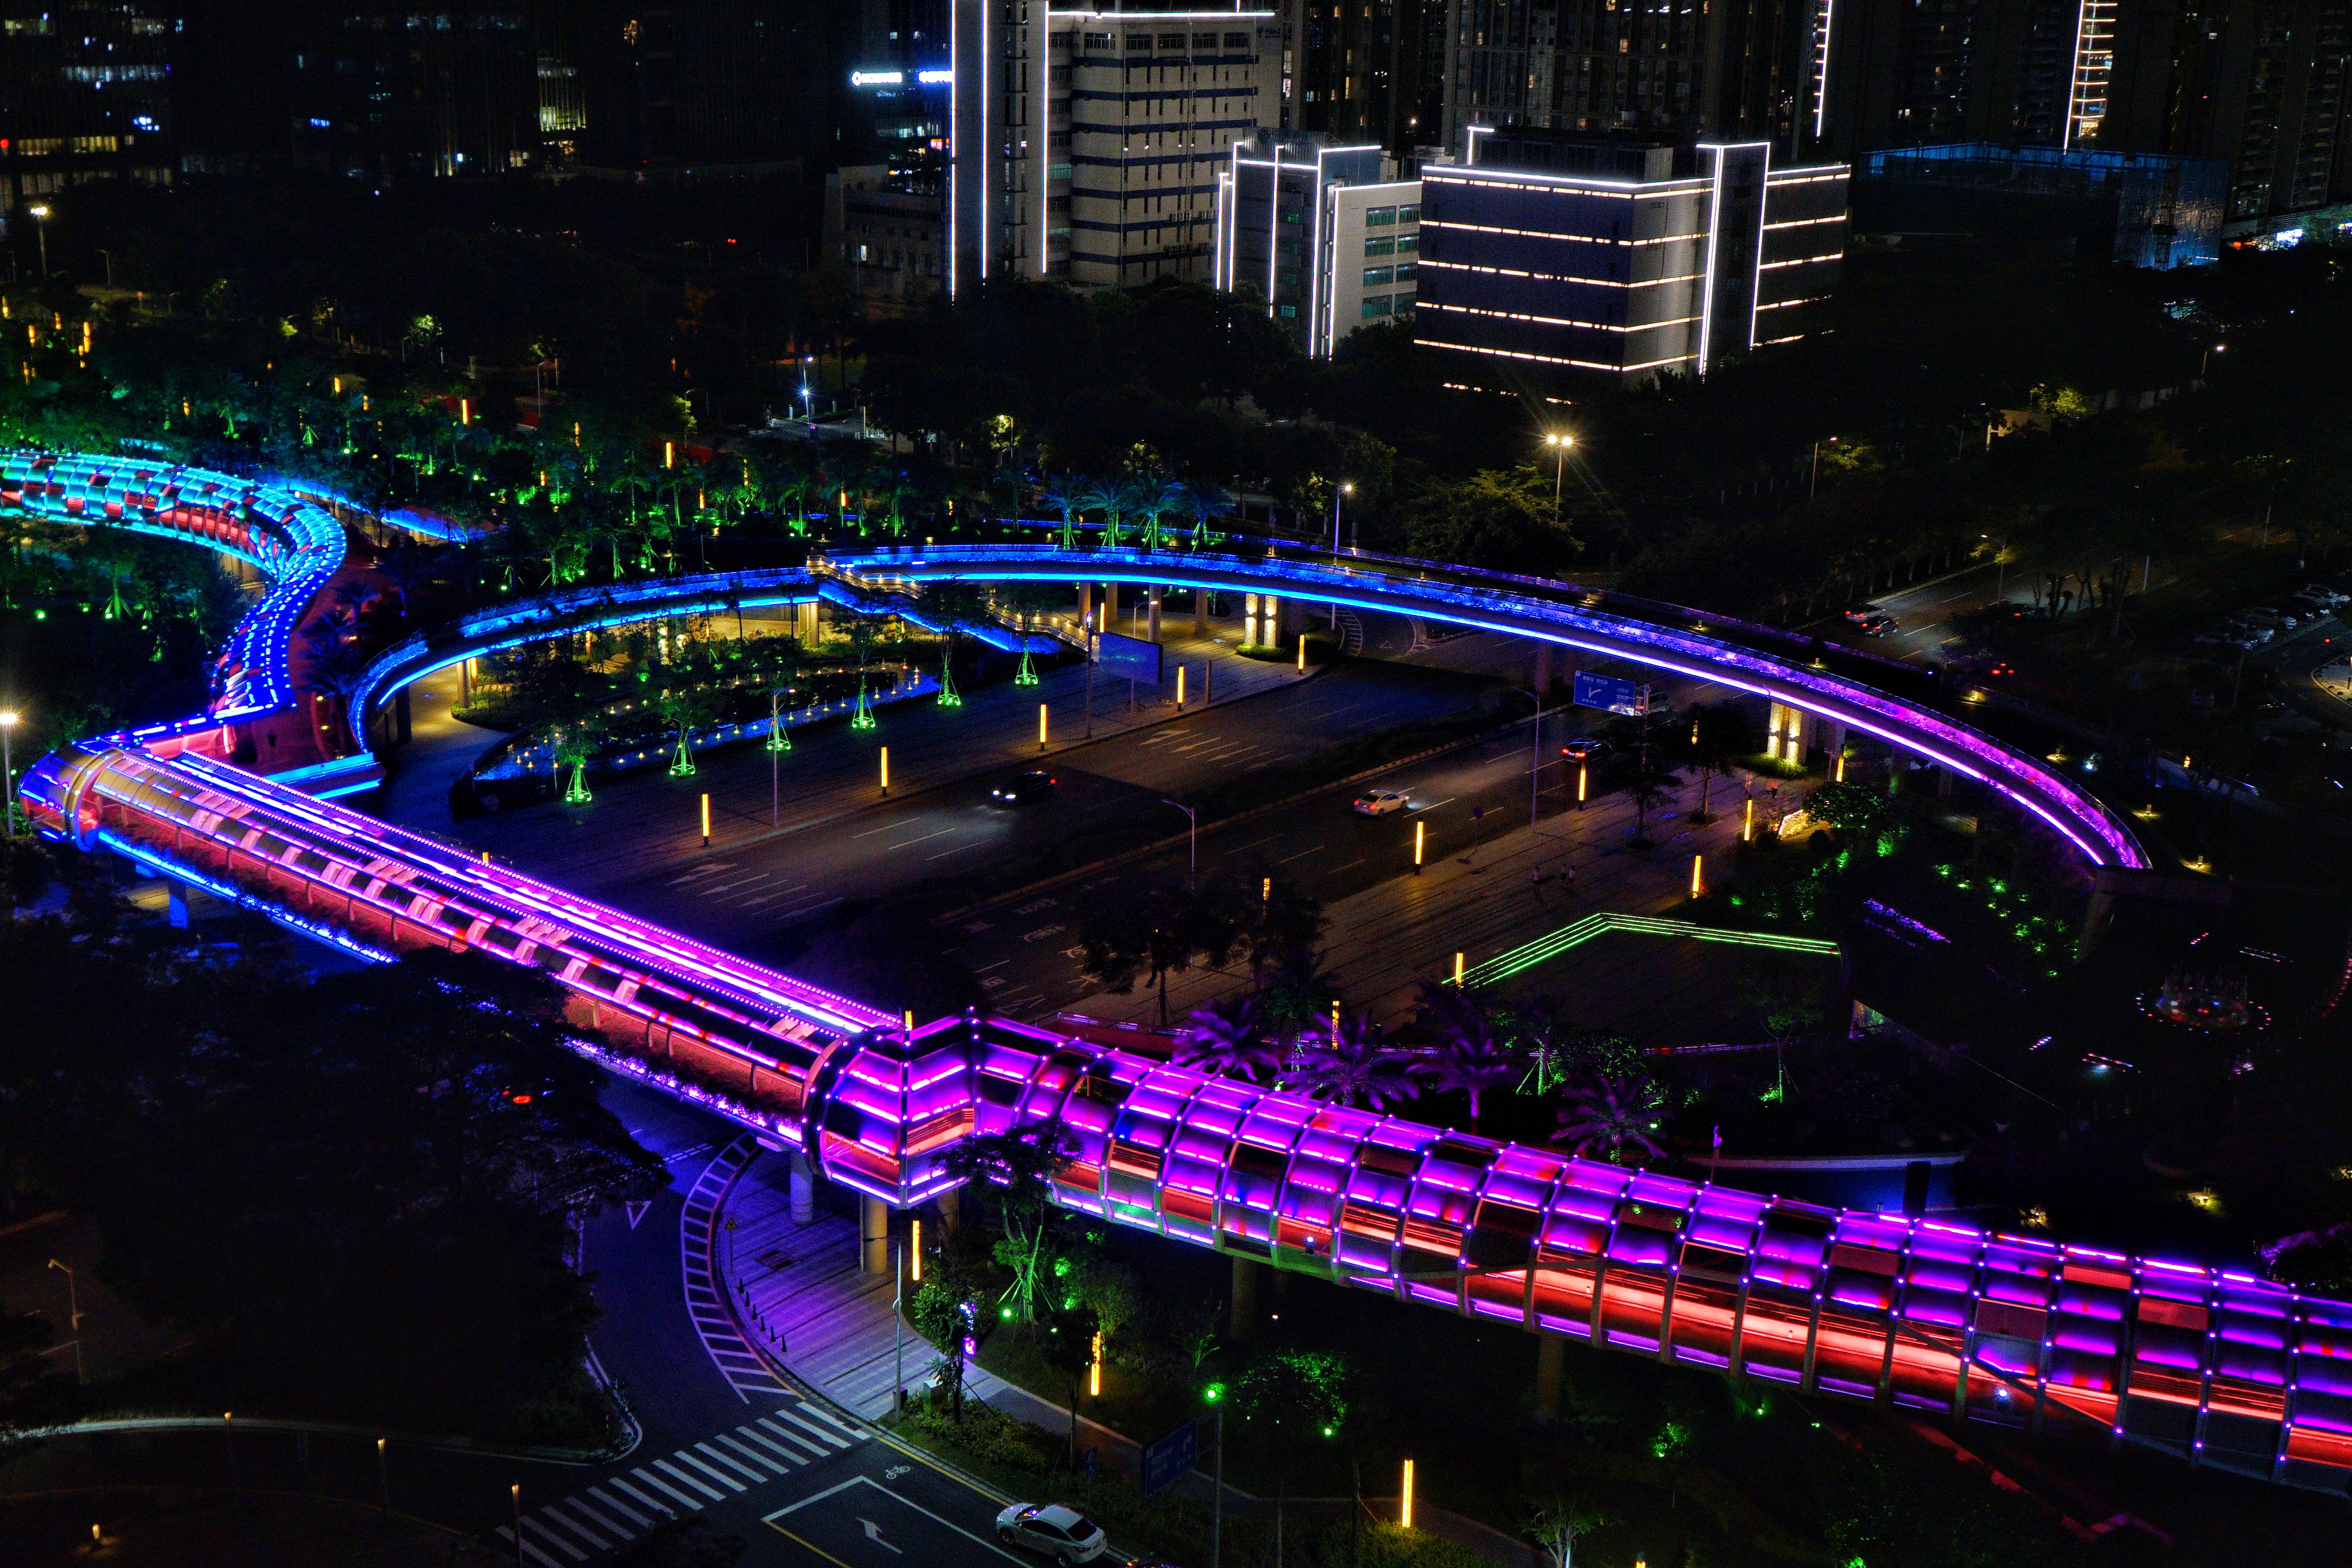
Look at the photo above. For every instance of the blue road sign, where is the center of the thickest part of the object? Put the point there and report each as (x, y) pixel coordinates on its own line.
(1172, 1458)
(1131, 657)
(1609, 691)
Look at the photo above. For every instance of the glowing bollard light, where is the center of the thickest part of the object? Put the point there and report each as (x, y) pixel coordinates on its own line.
(706, 821)
(1420, 838)
(1696, 882)
(1265, 893)
(915, 1251)
(1457, 969)
(886, 770)
(1840, 767)
(1179, 685)
(1404, 1497)
(1041, 726)
(1583, 778)
(1094, 1370)
(1302, 653)
(1748, 822)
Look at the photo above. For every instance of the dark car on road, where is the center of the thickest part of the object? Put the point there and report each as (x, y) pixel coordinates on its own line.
(1023, 788)
(1586, 748)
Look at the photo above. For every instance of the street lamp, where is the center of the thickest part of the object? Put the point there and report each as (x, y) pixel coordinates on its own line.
(73, 1314)
(41, 227)
(1344, 490)
(1560, 445)
(9, 769)
(2000, 561)
(1192, 832)
(1534, 753)
(1216, 1394)
(2201, 363)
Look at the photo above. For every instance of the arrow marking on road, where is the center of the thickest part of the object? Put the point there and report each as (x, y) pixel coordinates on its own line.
(874, 1534)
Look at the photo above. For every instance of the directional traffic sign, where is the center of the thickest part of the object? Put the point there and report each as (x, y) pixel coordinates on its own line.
(1172, 1458)
(1609, 691)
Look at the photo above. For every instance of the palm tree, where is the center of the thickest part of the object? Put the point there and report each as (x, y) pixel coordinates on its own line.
(683, 709)
(1227, 1040)
(1156, 495)
(1357, 1068)
(1068, 494)
(336, 673)
(1204, 498)
(1471, 1057)
(408, 566)
(1615, 1111)
(574, 747)
(1114, 498)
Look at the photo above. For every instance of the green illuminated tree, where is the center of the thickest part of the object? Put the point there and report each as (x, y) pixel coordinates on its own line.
(1012, 1173)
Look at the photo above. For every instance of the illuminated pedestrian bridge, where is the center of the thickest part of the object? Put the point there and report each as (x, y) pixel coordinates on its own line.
(2220, 1368)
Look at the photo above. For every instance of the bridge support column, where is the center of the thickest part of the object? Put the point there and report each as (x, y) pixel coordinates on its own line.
(1086, 602)
(179, 911)
(1154, 633)
(803, 1190)
(1110, 621)
(1200, 612)
(873, 1236)
(1244, 1303)
(950, 1205)
(1551, 1366)
(1543, 667)
(804, 623)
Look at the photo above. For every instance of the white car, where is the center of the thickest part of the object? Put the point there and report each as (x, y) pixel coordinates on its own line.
(1380, 802)
(1065, 1532)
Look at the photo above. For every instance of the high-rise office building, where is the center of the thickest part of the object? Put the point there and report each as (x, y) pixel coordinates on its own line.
(1087, 144)
(1361, 70)
(84, 95)
(383, 92)
(1279, 223)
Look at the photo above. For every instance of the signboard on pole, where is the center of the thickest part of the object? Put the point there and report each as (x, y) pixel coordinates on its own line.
(1130, 656)
(1172, 1458)
(1609, 691)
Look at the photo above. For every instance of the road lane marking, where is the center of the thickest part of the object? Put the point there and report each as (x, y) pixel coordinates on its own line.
(786, 1437)
(672, 1470)
(655, 1482)
(561, 1544)
(724, 1463)
(919, 838)
(766, 1463)
(814, 1430)
(751, 1435)
(527, 1546)
(1300, 855)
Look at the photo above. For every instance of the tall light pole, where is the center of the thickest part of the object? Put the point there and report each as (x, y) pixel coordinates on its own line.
(2000, 562)
(9, 769)
(1192, 832)
(1560, 445)
(1534, 753)
(1215, 1393)
(73, 1313)
(41, 227)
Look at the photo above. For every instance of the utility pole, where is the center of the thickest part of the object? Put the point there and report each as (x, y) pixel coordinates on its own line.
(73, 1312)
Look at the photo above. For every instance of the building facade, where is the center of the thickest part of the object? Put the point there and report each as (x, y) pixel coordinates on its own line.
(884, 231)
(1088, 142)
(1554, 252)
(84, 95)
(1272, 198)
(1727, 71)
(1369, 264)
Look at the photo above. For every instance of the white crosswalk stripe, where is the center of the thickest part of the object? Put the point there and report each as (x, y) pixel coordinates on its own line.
(688, 1498)
(554, 1512)
(786, 1435)
(561, 1544)
(753, 1434)
(726, 1463)
(528, 1550)
(683, 1458)
(656, 1506)
(617, 1506)
(597, 1520)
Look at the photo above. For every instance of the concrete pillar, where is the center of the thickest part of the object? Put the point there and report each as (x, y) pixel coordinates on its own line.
(1154, 633)
(873, 1234)
(804, 625)
(1543, 667)
(951, 1210)
(1200, 612)
(1551, 1364)
(1832, 740)
(1109, 621)
(179, 914)
(1085, 600)
(803, 1190)
(1244, 1304)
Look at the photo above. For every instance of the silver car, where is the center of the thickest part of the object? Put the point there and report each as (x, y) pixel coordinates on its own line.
(1061, 1532)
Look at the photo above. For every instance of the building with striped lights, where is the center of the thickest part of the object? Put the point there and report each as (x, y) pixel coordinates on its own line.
(1552, 250)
